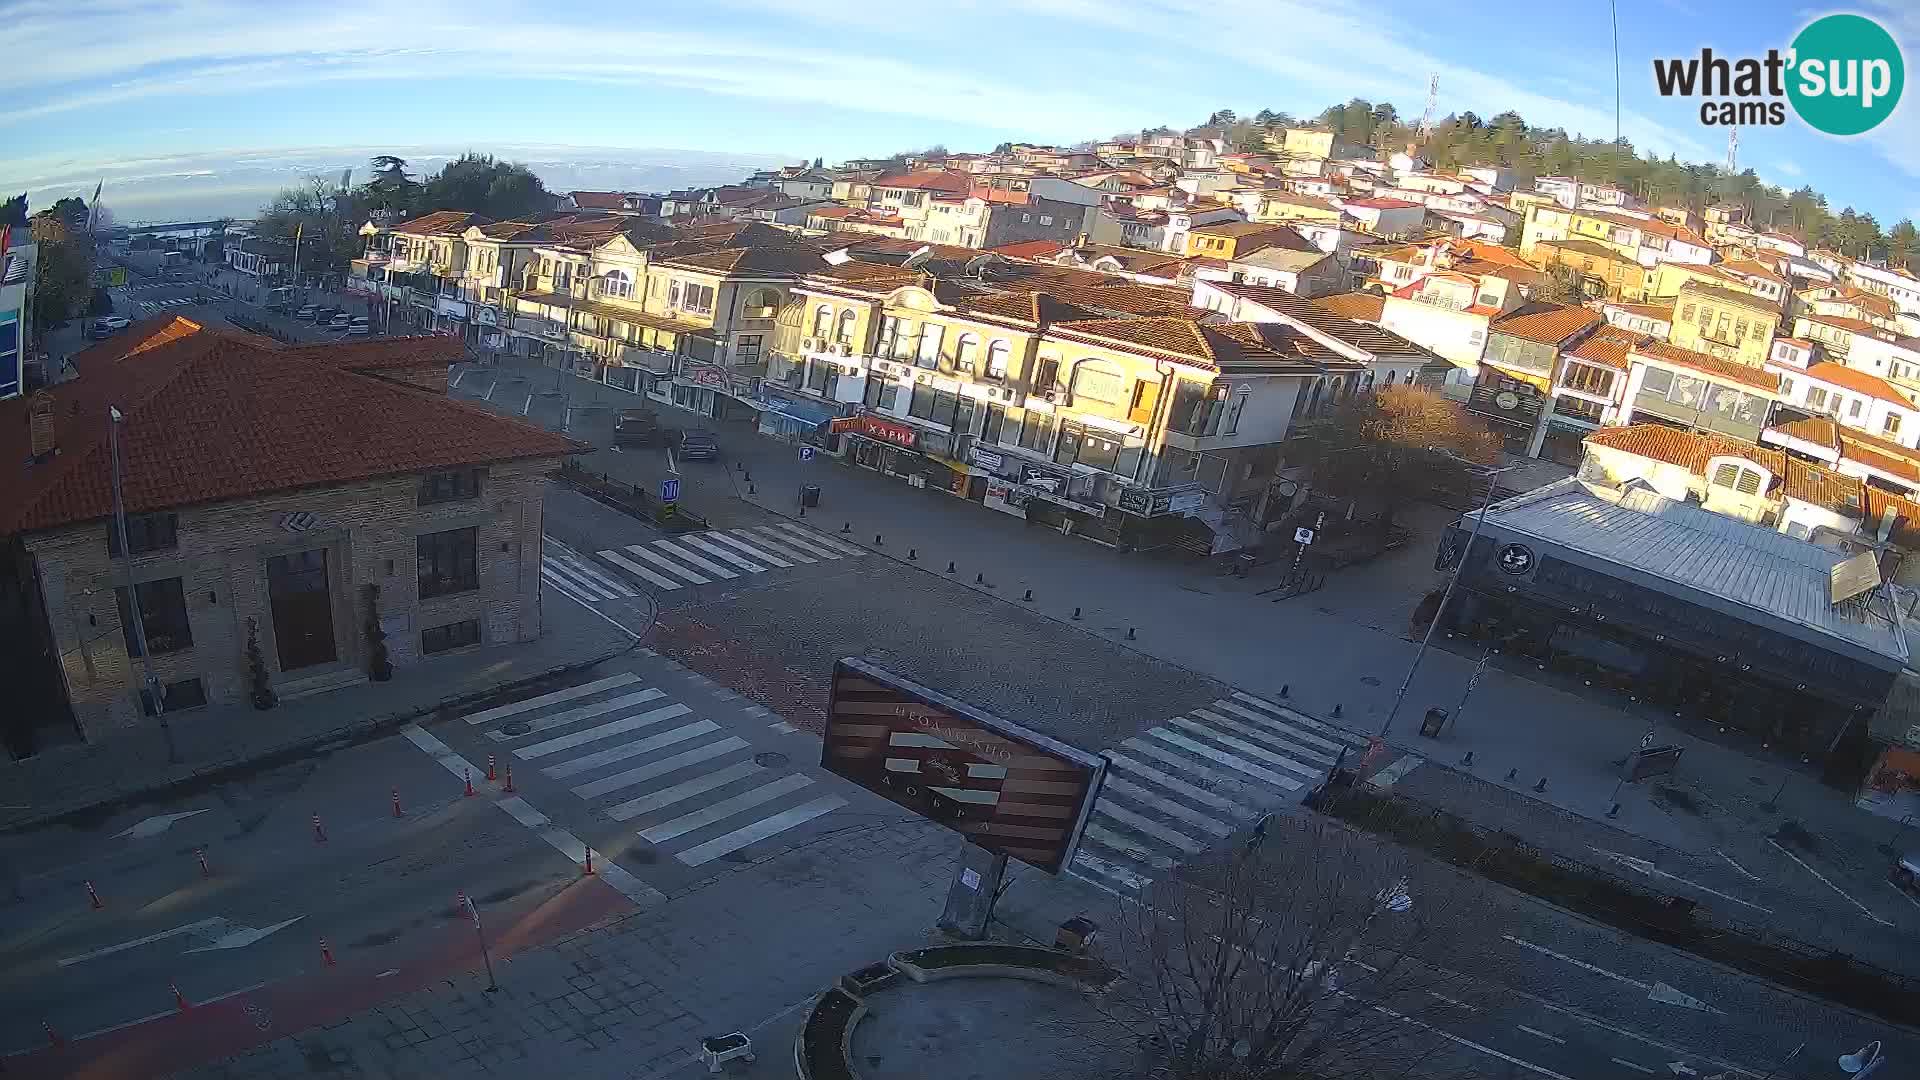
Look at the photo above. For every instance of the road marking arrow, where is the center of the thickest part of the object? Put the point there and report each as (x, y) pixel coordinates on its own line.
(245, 936)
(1679, 1068)
(1667, 995)
(203, 928)
(155, 825)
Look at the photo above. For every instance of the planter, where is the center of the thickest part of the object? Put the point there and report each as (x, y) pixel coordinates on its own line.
(821, 1052)
(992, 961)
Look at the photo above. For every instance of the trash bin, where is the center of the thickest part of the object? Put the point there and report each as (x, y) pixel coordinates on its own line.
(1434, 721)
(809, 495)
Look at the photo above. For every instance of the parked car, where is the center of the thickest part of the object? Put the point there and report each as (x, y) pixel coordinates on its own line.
(1905, 874)
(307, 312)
(637, 427)
(360, 325)
(699, 444)
(107, 325)
(341, 319)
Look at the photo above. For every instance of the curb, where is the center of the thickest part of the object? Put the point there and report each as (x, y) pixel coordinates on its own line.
(214, 773)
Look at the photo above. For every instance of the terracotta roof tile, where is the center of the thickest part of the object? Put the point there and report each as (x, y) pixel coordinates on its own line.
(1609, 346)
(1906, 516)
(1188, 341)
(1858, 381)
(1867, 453)
(1689, 450)
(1727, 370)
(441, 223)
(1818, 430)
(1729, 296)
(1824, 488)
(1548, 324)
(1358, 306)
(212, 416)
(928, 180)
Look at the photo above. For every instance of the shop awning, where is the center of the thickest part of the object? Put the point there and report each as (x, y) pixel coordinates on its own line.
(800, 412)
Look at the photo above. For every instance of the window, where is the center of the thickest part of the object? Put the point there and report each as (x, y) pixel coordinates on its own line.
(439, 639)
(881, 394)
(748, 349)
(1046, 374)
(1853, 409)
(929, 353)
(673, 294)
(1786, 387)
(1891, 425)
(891, 330)
(923, 401)
(175, 696)
(843, 328)
(452, 486)
(1046, 219)
(146, 532)
(990, 429)
(1656, 381)
(1732, 476)
(447, 563)
(822, 319)
(1067, 448)
(616, 283)
(1099, 451)
(965, 352)
(903, 341)
(1036, 431)
(997, 360)
(1817, 398)
(696, 298)
(163, 617)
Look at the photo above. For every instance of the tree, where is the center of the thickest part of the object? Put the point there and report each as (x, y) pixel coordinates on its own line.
(1291, 957)
(1564, 286)
(14, 210)
(259, 676)
(1383, 450)
(1221, 118)
(1264, 117)
(63, 270)
(1903, 244)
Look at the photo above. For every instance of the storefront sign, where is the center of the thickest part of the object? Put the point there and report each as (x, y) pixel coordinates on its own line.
(1006, 498)
(898, 434)
(987, 459)
(1186, 502)
(454, 308)
(486, 316)
(707, 375)
(842, 425)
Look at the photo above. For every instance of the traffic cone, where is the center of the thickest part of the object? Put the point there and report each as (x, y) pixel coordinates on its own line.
(326, 954)
(319, 834)
(93, 897)
(508, 787)
(469, 775)
(53, 1037)
(490, 773)
(396, 803)
(179, 999)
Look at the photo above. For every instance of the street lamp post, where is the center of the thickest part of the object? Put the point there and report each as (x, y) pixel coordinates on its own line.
(1421, 652)
(136, 619)
(480, 932)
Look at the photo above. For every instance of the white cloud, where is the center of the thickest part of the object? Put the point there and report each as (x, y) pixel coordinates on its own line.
(1788, 168)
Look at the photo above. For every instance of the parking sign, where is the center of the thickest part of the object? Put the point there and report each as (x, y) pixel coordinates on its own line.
(806, 453)
(670, 489)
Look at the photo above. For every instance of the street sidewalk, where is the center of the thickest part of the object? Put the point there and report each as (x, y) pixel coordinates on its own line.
(62, 780)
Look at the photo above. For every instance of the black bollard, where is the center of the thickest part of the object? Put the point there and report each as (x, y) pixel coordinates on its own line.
(949, 566)
(1613, 811)
(913, 554)
(847, 528)
(751, 491)
(1542, 785)
(1029, 595)
(1130, 636)
(1468, 760)
(1511, 773)
(979, 579)
(1336, 710)
(1076, 613)
(876, 540)
(1284, 689)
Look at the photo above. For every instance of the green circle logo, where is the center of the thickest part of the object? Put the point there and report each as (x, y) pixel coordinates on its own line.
(1846, 76)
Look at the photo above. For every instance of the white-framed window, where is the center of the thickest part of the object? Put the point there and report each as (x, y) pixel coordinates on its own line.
(1046, 219)
(1891, 425)
(822, 319)
(928, 355)
(843, 328)
(966, 352)
(1853, 409)
(616, 283)
(997, 354)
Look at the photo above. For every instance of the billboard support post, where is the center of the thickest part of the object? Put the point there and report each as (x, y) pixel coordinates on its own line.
(976, 882)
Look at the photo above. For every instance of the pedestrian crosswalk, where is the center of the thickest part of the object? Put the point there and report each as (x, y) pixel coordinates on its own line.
(699, 558)
(156, 305)
(1175, 789)
(680, 781)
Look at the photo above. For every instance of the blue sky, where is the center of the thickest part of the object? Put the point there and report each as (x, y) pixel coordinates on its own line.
(132, 88)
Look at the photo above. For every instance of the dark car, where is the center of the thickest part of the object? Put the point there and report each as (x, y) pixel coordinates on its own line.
(699, 444)
(637, 427)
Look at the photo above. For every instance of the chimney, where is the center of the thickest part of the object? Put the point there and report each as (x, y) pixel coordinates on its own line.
(40, 427)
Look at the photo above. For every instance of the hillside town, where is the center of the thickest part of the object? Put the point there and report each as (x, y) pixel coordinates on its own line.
(1496, 540)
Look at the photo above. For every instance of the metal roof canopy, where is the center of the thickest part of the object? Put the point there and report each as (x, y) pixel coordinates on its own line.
(1751, 573)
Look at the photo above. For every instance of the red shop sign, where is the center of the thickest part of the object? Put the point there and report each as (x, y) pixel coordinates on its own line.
(897, 434)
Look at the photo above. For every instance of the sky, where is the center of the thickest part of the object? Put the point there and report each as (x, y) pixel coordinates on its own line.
(206, 106)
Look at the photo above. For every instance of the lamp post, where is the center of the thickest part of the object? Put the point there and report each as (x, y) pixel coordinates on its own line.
(1459, 565)
(136, 620)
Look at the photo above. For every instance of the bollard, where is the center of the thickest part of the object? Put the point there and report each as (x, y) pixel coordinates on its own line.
(1285, 688)
(179, 999)
(205, 870)
(745, 475)
(1076, 613)
(847, 528)
(1029, 595)
(1130, 636)
(913, 554)
(1511, 773)
(319, 834)
(53, 1037)
(1613, 811)
(587, 869)
(491, 775)
(980, 579)
(949, 566)
(469, 776)
(876, 540)
(509, 784)
(1468, 760)
(396, 803)
(751, 490)
(326, 954)
(1542, 785)
(1336, 710)
(93, 897)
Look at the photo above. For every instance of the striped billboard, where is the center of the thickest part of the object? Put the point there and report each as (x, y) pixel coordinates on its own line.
(1012, 791)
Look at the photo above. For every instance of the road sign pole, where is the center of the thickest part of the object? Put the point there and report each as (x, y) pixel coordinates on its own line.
(976, 885)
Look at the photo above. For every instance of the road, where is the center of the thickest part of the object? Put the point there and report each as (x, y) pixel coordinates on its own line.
(687, 769)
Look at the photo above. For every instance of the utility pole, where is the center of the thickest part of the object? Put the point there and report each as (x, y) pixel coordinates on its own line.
(138, 619)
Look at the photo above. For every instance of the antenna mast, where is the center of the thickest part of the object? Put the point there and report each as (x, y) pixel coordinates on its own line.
(1433, 106)
(1733, 151)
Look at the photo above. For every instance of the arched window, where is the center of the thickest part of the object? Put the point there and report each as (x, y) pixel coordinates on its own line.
(822, 320)
(763, 303)
(997, 354)
(966, 352)
(616, 283)
(1367, 383)
(843, 329)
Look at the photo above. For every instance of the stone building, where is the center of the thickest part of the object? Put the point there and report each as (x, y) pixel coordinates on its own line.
(298, 496)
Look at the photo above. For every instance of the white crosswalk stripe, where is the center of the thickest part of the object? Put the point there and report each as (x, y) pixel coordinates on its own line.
(816, 540)
(682, 782)
(1176, 788)
(699, 558)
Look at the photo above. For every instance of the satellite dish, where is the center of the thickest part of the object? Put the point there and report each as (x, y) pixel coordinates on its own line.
(918, 258)
(977, 266)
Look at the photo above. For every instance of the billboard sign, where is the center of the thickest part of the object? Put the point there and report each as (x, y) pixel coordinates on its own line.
(1012, 791)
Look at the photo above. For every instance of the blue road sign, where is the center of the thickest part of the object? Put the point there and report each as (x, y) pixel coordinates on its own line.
(806, 453)
(670, 489)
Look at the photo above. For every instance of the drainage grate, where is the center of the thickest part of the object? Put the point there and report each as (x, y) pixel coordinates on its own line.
(771, 759)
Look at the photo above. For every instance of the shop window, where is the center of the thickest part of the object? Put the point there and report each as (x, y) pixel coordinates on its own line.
(1036, 432)
(990, 428)
(923, 402)
(439, 639)
(455, 485)
(175, 697)
(163, 617)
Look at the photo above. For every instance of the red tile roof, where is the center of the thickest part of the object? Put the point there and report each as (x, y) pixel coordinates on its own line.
(1384, 203)
(212, 416)
(1235, 346)
(1726, 370)
(442, 223)
(1030, 249)
(1609, 346)
(928, 180)
(1358, 306)
(1689, 450)
(1857, 381)
(598, 200)
(1548, 324)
